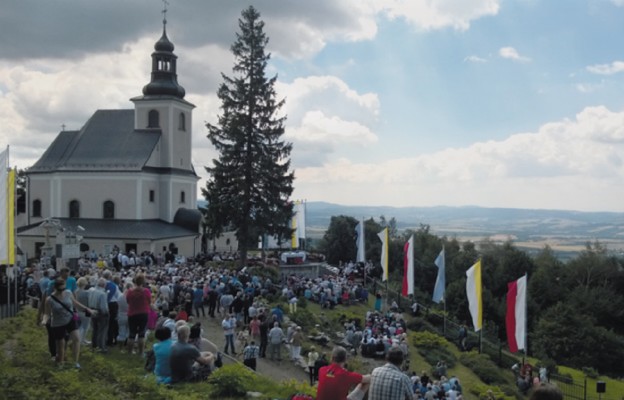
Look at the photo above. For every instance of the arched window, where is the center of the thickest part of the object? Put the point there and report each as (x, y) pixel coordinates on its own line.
(36, 208)
(74, 209)
(182, 122)
(153, 119)
(108, 210)
(182, 197)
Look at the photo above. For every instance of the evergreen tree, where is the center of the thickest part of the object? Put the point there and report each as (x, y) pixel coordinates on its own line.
(250, 183)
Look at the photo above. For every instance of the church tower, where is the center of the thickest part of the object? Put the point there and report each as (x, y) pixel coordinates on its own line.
(162, 108)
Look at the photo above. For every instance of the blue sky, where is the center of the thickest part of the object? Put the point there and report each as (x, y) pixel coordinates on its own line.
(495, 103)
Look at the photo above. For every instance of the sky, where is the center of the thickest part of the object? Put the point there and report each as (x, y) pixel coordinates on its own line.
(493, 103)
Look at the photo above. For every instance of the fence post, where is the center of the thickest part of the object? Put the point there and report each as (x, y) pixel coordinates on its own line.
(500, 353)
(585, 389)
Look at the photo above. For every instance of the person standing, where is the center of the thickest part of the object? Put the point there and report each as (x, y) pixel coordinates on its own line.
(229, 326)
(313, 355)
(264, 334)
(97, 301)
(295, 344)
(334, 381)
(388, 382)
(250, 355)
(139, 301)
(112, 296)
(198, 300)
(276, 336)
(213, 296)
(58, 310)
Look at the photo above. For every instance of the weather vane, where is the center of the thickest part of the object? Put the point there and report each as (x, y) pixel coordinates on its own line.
(164, 11)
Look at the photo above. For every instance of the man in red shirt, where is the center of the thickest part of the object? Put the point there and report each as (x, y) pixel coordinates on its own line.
(335, 381)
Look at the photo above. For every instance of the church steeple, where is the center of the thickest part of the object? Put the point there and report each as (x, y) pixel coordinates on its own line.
(164, 79)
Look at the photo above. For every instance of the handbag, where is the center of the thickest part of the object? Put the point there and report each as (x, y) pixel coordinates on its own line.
(75, 316)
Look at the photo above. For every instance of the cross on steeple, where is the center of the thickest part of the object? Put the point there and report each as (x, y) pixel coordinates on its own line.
(164, 11)
(63, 127)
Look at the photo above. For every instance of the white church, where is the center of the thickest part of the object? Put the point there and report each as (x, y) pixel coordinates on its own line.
(124, 179)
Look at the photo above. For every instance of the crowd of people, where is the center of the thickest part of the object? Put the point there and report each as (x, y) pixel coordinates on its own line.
(119, 302)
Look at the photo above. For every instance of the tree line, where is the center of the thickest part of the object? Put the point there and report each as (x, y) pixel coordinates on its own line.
(575, 309)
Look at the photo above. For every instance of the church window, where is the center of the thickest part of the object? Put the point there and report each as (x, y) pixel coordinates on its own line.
(182, 122)
(164, 65)
(152, 196)
(108, 211)
(182, 197)
(74, 209)
(153, 119)
(36, 208)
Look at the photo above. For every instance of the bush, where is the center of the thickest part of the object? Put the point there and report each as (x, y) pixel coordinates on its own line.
(483, 367)
(481, 391)
(232, 380)
(305, 318)
(590, 372)
(418, 324)
(428, 340)
(433, 348)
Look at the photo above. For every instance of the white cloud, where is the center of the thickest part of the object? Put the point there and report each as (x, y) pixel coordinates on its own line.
(607, 69)
(326, 115)
(512, 54)
(619, 3)
(559, 166)
(475, 59)
(438, 14)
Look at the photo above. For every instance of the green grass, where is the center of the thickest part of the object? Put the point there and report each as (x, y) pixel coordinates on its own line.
(26, 372)
(615, 388)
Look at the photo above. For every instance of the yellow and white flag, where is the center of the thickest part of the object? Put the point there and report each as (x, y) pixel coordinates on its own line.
(473, 291)
(7, 210)
(383, 235)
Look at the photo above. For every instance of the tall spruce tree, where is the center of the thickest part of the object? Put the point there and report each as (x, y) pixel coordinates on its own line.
(250, 183)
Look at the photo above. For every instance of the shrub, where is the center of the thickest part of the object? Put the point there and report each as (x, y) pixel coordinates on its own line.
(483, 367)
(428, 340)
(481, 391)
(232, 380)
(590, 372)
(305, 318)
(418, 324)
(433, 348)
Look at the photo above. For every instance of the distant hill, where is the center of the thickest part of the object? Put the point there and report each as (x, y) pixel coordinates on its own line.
(566, 231)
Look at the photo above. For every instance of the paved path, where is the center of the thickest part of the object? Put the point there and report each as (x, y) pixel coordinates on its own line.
(276, 370)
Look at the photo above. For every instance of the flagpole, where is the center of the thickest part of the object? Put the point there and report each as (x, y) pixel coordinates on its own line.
(526, 293)
(444, 328)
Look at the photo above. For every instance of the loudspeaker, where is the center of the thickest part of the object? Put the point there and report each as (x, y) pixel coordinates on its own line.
(601, 387)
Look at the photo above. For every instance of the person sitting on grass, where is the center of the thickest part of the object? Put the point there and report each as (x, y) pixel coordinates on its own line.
(162, 353)
(186, 362)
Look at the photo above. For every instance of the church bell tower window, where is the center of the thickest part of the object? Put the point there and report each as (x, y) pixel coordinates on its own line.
(153, 119)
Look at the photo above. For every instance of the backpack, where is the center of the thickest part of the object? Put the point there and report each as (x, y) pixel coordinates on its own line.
(34, 291)
(150, 361)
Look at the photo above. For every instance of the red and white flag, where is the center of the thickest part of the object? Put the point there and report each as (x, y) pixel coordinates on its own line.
(516, 314)
(408, 267)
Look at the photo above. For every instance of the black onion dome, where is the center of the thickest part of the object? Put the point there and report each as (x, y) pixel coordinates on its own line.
(164, 44)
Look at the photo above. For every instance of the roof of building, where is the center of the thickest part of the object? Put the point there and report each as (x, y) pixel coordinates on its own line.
(107, 142)
(112, 229)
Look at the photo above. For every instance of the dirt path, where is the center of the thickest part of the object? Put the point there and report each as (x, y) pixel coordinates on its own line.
(276, 370)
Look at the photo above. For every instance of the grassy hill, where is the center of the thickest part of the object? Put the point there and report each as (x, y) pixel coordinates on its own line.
(26, 371)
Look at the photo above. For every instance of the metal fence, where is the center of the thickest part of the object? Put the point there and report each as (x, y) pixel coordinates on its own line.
(10, 292)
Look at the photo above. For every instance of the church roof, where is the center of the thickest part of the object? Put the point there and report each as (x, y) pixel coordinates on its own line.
(114, 229)
(107, 142)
